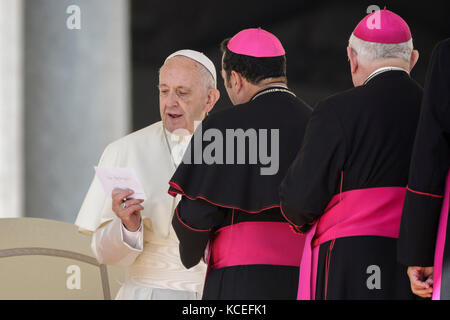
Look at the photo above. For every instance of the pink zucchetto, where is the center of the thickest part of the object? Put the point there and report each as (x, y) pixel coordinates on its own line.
(257, 43)
(383, 26)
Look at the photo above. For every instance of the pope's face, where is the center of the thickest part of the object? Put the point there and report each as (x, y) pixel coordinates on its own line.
(182, 94)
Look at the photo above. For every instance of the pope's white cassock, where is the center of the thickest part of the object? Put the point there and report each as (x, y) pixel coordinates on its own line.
(150, 255)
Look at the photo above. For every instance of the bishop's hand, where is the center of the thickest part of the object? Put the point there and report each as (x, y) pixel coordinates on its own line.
(421, 279)
(129, 211)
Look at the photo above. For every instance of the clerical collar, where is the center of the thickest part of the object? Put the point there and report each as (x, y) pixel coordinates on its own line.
(176, 154)
(273, 88)
(382, 70)
(176, 138)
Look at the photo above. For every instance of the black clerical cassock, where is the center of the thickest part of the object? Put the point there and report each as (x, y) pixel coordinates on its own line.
(347, 185)
(424, 229)
(232, 204)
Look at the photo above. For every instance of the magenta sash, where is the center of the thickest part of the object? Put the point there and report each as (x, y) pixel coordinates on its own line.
(260, 242)
(361, 212)
(440, 243)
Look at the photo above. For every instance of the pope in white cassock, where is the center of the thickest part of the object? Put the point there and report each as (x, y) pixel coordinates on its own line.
(138, 234)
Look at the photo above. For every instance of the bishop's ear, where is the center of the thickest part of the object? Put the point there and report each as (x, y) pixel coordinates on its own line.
(414, 59)
(352, 58)
(236, 81)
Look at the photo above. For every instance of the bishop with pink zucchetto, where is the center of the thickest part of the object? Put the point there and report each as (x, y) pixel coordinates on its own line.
(345, 189)
(230, 199)
(256, 43)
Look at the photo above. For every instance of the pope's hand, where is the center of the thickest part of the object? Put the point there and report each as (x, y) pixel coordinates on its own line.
(131, 214)
(421, 279)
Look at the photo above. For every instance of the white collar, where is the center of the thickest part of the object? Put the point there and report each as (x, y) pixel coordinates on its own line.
(176, 146)
(175, 138)
(384, 69)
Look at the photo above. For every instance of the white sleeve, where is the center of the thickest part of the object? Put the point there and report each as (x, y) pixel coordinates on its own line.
(133, 238)
(109, 246)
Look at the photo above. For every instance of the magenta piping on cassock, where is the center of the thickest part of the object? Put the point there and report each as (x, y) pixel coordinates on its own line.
(178, 190)
(256, 242)
(440, 243)
(360, 212)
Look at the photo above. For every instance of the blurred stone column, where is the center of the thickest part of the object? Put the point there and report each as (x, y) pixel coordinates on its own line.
(77, 97)
(11, 109)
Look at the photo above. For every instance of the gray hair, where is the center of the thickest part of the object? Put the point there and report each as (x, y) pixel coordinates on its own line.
(371, 51)
(207, 77)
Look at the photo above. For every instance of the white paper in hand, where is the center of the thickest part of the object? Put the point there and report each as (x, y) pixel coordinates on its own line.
(122, 178)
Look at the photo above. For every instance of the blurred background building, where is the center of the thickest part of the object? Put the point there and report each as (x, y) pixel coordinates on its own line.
(78, 74)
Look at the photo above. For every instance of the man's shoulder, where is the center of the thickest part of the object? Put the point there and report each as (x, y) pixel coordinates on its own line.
(230, 117)
(220, 117)
(244, 114)
(442, 53)
(443, 45)
(143, 135)
(333, 104)
(344, 96)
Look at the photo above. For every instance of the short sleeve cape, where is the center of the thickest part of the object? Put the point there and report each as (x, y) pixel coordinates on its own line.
(242, 186)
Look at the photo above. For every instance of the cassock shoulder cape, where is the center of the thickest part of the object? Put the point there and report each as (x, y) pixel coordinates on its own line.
(242, 186)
